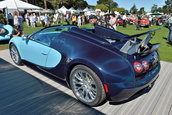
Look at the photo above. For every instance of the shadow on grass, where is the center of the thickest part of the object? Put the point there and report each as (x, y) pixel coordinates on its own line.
(170, 43)
(164, 38)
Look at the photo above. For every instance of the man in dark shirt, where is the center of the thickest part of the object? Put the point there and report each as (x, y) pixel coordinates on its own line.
(16, 32)
(138, 22)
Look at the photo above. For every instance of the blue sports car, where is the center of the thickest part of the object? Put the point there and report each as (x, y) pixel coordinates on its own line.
(5, 32)
(97, 64)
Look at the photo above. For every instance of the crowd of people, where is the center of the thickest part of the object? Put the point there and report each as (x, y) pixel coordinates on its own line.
(108, 20)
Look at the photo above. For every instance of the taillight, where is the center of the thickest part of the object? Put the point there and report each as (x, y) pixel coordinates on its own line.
(145, 65)
(138, 67)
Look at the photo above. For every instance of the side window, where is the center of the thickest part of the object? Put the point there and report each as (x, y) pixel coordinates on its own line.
(46, 36)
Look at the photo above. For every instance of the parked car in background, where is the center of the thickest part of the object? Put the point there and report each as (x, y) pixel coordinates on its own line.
(5, 32)
(144, 22)
(119, 21)
(132, 21)
(97, 64)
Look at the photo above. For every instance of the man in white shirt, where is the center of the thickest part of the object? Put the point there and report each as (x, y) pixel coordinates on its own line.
(124, 18)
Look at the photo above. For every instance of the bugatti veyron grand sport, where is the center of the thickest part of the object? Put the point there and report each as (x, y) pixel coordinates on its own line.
(98, 64)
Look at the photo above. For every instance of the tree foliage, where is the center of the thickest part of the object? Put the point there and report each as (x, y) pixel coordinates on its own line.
(120, 10)
(133, 9)
(142, 10)
(102, 7)
(55, 4)
(154, 8)
(76, 4)
(110, 4)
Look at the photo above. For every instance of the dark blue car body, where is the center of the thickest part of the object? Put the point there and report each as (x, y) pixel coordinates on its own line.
(91, 48)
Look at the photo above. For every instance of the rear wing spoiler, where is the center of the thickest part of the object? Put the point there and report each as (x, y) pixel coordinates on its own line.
(132, 46)
(144, 33)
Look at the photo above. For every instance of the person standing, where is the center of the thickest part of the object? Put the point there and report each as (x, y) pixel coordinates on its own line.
(15, 19)
(107, 20)
(46, 19)
(67, 18)
(51, 16)
(32, 20)
(21, 25)
(26, 16)
(150, 20)
(79, 20)
(170, 29)
(10, 19)
(124, 18)
(83, 19)
(73, 19)
(138, 22)
(113, 22)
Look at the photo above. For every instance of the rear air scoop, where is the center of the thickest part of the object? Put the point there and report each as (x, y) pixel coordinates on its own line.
(142, 48)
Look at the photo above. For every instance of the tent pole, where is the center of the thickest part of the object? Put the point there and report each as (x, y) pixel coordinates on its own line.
(6, 13)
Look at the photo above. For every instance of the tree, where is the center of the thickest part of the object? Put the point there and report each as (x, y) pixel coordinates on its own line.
(165, 9)
(45, 4)
(159, 9)
(102, 7)
(169, 5)
(142, 10)
(133, 9)
(118, 10)
(154, 8)
(108, 3)
(76, 4)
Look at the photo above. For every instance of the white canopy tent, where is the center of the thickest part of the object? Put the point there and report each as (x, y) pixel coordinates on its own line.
(13, 5)
(72, 10)
(63, 10)
(86, 9)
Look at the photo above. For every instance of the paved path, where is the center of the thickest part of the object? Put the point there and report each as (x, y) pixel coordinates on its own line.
(24, 90)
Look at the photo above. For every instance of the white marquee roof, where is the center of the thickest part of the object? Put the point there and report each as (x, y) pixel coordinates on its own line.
(17, 4)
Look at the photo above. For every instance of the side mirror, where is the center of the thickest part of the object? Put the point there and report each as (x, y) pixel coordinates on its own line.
(25, 37)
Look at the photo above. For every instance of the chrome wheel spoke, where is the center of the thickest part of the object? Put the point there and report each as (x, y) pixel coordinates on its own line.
(86, 95)
(84, 86)
(92, 96)
(14, 54)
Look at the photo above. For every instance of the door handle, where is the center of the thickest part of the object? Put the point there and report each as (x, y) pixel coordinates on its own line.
(44, 53)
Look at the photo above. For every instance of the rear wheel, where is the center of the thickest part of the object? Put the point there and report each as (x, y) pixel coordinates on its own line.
(15, 55)
(87, 86)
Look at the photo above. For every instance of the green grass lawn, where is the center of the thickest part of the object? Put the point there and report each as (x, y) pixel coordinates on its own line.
(160, 37)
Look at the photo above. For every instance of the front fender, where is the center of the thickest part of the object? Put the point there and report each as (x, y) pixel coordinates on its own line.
(16, 41)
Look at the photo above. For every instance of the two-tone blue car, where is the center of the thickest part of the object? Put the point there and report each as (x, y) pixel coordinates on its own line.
(5, 32)
(97, 64)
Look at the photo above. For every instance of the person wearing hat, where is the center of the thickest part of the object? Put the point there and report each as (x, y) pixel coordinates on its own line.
(112, 22)
(93, 20)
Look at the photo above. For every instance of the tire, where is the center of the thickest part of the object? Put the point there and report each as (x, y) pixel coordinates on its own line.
(15, 55)
(87, 86)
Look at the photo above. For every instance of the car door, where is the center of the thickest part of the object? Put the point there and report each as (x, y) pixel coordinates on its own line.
(36, 48)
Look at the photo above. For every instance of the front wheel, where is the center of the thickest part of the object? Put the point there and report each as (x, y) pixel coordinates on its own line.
(15, 55)
(87, 86)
